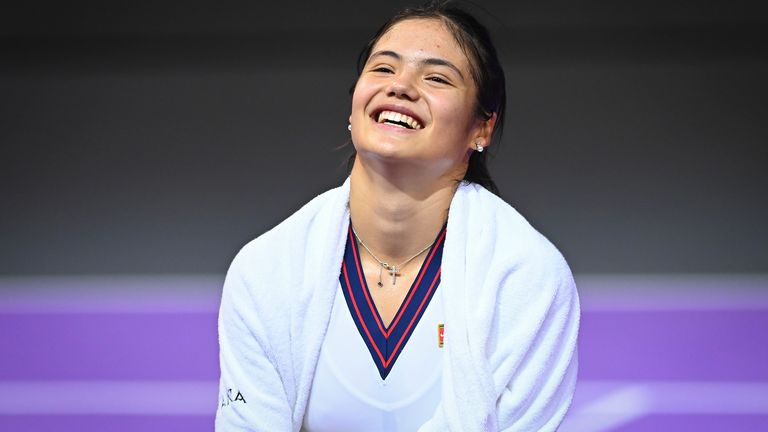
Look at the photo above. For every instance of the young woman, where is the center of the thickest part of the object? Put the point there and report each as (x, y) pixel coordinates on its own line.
(411, 297)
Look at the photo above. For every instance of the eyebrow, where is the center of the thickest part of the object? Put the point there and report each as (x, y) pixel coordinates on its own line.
(427, 61)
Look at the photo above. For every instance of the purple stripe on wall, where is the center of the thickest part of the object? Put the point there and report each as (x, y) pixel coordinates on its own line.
(111, 294)
(698, 423)
(684, 345)
(81, 423)
(673, 292)
(109, 397)
(681, 345)
(108, 346)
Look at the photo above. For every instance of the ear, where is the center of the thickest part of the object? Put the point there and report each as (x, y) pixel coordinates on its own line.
(484, 132)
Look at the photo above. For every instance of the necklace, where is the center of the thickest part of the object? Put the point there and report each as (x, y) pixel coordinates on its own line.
(394, 270)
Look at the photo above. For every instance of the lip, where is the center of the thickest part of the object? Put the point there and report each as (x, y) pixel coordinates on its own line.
(396, 108)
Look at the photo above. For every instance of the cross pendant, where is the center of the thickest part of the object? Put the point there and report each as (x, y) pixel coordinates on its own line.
(394, 273)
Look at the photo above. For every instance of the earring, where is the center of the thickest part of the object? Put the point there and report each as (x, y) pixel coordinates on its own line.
(349, 127)
(479, 147)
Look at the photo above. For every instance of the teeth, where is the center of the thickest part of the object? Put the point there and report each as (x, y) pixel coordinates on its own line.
(397, 117)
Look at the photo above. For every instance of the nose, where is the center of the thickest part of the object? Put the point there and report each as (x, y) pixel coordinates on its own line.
(402, 87)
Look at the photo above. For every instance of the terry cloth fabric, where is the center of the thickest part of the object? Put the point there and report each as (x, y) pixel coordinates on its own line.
(386, 343)
(509, 299)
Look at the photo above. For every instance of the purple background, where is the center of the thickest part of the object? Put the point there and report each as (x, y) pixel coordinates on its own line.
(140, 353)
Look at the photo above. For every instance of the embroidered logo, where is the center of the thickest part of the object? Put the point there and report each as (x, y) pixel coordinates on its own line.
(230, 397)
(440, 335)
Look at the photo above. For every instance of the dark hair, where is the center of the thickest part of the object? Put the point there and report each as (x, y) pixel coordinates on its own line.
(484, 64)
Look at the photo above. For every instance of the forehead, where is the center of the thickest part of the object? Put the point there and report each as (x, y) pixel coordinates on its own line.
(420, 38)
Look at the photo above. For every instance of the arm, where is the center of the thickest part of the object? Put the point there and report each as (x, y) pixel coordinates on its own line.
(252, 394)
(538, 393)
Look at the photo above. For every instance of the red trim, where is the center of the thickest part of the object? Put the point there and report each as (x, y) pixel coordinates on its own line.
(364, 284)
(357, 311)
(418, 311)
(403, 307)
(415, 285)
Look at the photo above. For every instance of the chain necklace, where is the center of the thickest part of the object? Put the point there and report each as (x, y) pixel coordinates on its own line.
(394, 270)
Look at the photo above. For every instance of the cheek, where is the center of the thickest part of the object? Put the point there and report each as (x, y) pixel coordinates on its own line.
(456, 114)
(355, 103)
(360, 98)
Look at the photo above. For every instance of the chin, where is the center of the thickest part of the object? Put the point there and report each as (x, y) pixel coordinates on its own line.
(389, 154)
(385, 149)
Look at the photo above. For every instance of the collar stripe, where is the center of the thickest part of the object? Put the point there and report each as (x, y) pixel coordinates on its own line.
(386, 343)
(357, 311)
(363, 283)
(412, 291)
(414, 319)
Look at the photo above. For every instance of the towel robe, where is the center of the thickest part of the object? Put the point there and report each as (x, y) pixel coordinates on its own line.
(509, 360)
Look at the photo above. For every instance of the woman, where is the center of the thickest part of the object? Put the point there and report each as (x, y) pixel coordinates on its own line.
(411, 297)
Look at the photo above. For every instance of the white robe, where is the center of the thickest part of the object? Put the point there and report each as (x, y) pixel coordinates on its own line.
(510, 304)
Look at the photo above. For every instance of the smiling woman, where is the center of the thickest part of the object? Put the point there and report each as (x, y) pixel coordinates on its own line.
(411, 297)
(475, 53)
(418, 71)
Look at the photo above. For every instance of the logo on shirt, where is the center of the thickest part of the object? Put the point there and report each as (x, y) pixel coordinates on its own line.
(231, 397)
(440, 335)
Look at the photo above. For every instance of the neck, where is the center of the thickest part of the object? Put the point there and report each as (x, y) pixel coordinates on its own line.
(397, 214)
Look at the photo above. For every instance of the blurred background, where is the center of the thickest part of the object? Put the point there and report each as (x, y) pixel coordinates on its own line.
(142, 144)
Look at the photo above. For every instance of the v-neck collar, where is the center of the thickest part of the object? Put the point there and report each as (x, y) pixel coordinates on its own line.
(385, 343)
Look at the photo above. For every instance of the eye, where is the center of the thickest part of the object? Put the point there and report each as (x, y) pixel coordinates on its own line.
(438, 79)
(382, 69)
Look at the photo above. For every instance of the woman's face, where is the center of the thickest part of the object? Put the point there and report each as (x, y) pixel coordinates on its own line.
(415, 100)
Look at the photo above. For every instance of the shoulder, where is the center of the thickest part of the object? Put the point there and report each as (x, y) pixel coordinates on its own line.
(516, 250)
(509, 233)
(270, 256)
(283, 237)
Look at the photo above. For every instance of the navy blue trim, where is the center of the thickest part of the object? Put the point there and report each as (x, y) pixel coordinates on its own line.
(386, 343)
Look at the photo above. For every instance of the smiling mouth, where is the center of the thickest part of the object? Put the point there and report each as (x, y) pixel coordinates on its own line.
(398, 119)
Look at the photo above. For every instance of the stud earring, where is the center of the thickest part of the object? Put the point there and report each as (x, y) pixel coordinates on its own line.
(349, 127)
(479, 147)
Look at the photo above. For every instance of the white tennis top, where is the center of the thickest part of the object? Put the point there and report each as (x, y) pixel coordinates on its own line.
(348, 393)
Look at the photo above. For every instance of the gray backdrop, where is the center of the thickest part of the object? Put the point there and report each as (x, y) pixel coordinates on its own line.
(160, 138)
